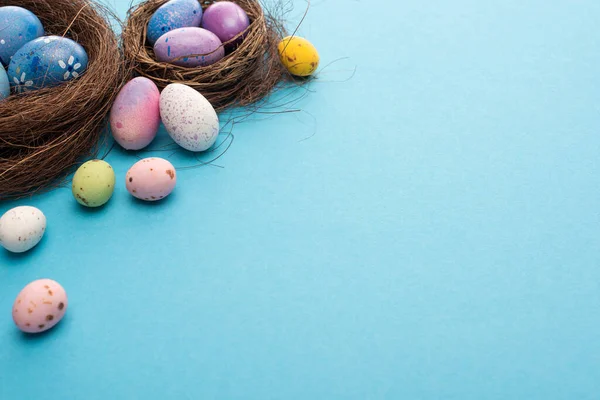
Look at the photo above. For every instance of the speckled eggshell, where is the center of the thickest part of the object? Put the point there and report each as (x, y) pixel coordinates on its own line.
(189, 47)
(298, 55)
(4, 84)
(188, 117)
(151, 179)
(17, 27)
(40, 306)
(22, 228)
(135, 114)
(172, 15)
(93, 183)
(45, 62)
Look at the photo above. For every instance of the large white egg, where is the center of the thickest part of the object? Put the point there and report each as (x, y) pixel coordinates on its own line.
(189, 118)
(22, 228)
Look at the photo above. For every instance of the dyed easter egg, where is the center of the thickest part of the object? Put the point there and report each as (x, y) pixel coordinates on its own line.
(17, 27)
(22, 228)
(189, 47)
(93, 183)
(135, 115)
(174, 14)
(151, 179)
(4, 84)
(45, 62)
(226, 20)
(298, 55)
(40, 306)
(189, 118)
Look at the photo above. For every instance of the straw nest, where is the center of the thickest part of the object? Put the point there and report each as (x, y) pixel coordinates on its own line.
(242, 77)
(45, 133)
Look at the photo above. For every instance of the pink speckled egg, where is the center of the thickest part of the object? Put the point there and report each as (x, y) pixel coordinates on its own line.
(151, 179)
(40, 306)
(135, 115)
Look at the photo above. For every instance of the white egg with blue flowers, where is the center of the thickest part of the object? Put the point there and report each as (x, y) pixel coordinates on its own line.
(46, 62)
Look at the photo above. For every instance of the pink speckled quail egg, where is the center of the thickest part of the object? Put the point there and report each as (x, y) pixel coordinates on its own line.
(22, 228)
(151, 179)
(189, 118)
(40, 306)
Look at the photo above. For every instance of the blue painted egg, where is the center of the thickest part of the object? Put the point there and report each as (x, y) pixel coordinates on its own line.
(45, 62)
(17, 27)
(174, 14)
(4, 85)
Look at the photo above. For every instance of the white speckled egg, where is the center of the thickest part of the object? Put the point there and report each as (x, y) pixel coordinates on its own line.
(189, 118)
(40, 306)
(22, 228)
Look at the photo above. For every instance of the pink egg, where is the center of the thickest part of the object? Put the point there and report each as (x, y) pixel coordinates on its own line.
(40, 306)
(151, 179)
(135, 115)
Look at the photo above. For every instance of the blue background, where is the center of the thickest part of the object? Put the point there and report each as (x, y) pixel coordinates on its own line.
(427, 229)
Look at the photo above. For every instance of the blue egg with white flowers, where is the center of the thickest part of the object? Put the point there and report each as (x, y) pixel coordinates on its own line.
(17, 27)
(172, 15)
(4, 85)
(45, 62)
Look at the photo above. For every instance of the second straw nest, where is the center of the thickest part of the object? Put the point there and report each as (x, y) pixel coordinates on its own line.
(242, 77)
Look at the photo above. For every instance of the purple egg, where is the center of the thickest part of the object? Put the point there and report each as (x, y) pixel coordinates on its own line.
(226, 20)
(189, 47)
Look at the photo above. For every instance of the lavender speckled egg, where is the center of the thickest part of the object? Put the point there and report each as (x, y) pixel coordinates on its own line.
(151, 179)
(17, 27)
(40, 306)
(45, 62)
(226, 20)
(189, 118)
(135, 114)
(174, 14)
(4, 84)
(22, 228)
(189, 47)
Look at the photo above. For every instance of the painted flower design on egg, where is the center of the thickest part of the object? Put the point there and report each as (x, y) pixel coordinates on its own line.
(50, 39)
(23, 84)
(71, 70)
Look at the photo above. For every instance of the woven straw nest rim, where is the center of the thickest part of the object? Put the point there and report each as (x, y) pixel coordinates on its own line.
(244, 76)
(45, 133)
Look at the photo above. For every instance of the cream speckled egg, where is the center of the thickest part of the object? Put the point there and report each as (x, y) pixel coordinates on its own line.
(151, 179)
(188, 117)
(40, 306)
(22, 228)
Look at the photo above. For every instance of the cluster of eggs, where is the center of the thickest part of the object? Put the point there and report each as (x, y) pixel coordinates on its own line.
(182, 34)
(150, 179)
(43, 303)
(139, 108)
(135, 119)
(33, 60)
